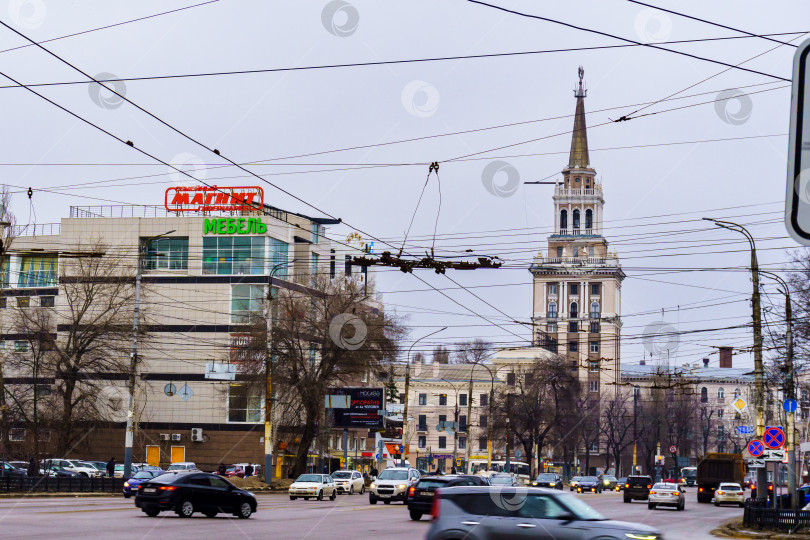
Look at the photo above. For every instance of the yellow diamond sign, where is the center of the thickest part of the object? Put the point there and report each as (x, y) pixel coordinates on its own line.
(739, 404)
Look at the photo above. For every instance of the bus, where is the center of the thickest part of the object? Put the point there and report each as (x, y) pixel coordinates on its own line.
(519, 468)
(688, 476)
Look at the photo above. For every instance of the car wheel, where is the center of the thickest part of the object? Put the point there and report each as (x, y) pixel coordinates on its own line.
(681, 506)
(151, 512)
(210, 514)
(372, 499)
(650, 506)
(185, 509)
(333, 496)
(292, 498)
(127, 495)
(416, 516)
(306, 498)
(387, 501)
(320, 495)
(626, 500)
(716, 503)
(742, 505)
(363, 489)
(351, 489)
(245, 510)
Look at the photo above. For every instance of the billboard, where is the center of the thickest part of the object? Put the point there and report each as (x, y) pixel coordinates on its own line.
(214, 198)
(366, 408)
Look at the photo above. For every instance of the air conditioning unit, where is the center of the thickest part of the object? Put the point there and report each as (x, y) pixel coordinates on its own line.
(197, 434)
(165, 436)
(175, 436)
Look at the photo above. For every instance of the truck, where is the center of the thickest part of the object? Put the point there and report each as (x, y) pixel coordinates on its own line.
(716, 468)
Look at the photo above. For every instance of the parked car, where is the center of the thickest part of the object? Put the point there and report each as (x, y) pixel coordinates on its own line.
(257, 469)
(349, 482)
(549, 480)
(422, 495)
(73, 465)
(393, 485)
(480, 512)
(233, 470)
(318, 486)
(729, 492)
(474, 478)
(187, 492)
(182, 466)
(589, 484)
(131, 485)
(9, 470)
(637, 488)
(666, 494)
(503, 479)
(574, 483)
(55, 470)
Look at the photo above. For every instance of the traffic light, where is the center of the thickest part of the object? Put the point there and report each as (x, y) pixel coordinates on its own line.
(659, 460)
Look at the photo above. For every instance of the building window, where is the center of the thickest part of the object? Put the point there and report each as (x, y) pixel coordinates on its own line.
(3, 303)
(422, 441)
(551, 328)
(594, 347)
(39, 271)
(594, 327)
(483, 400)
(314, 270)
(574, 365)
(594, 446)
(510, 379)
(737, 394)
(704, 395)
(576, 219)
(552, 310)
(246, 302)
(594, 310)
(719, 413)
(574, 310)
(422, 399)
(721, 431)
(636, 391)
(573, 346)
(552, 289)
(422, 423)
(462, 399)
(462, 422)
(23, 301)
(573, 326)
(332, 264)
(442, 419)
(482, 443)
(593, 365)
(16, 434)
(595, 289)
(573, 289)
(5, 272)
(563, 219)
(316, 233)
(165, 253)
(482, 421)
(47, 301)
(590, 251)
(721, 447)
(593, 386)
(462, 443)
(21, 345)
(243, 255)
(576, 251)
(559, 252)
(442, 399)
(347, 265)
(243, 406)
(589, 219)
(442, 442)
(721, 393)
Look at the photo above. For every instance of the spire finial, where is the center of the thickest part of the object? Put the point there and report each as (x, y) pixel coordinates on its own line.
(579, 139)
(579, 89)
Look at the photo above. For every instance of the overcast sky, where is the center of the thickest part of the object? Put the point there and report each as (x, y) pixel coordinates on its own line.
(268, 116)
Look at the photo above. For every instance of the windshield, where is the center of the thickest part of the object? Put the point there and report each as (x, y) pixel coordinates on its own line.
(581, 509)
(340, 474)
(309, 478)
(576, 478)
(546, 477)
(500, 480)
(731, 487)
(389, 474)
(589, 479)
(177, 467)
(431, 483)
(611, 478)
(663, 486)
(142, 475)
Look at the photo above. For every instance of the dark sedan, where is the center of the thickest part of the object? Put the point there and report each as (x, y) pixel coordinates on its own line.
(548, 480)
(186, 492)
(420, 496)
(589, 484)
(7, 469)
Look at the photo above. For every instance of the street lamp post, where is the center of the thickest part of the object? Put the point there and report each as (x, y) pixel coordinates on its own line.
(133, 359)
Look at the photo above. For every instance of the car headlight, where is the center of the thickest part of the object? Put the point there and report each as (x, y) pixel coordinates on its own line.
(126, 484)
(606, 482)
(642, 536)
(402, 486)
(534, 483)
(552, 484)
(373, 485)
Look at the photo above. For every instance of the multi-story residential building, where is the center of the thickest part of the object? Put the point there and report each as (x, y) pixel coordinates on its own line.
(202, 278)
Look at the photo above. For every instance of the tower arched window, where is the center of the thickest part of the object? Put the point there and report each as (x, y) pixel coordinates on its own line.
(575, 223)
(721, 393)
(737, 393)
(552, 310)
(594, 310)
(574, 310)
(589, 219)
(563, 219)
(704, 395)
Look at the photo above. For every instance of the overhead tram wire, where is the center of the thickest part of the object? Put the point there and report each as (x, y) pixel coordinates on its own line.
(627, 40)
(629, 43)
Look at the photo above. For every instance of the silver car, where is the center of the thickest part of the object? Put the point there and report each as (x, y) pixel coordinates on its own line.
(495, 512)
(664, 494)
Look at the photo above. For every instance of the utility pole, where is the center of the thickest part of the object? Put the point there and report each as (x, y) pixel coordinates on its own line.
(133, 358)
(635, 431)
(469, 423)
(269, 410)
(759, 371)
(508, 432)
(407, 390)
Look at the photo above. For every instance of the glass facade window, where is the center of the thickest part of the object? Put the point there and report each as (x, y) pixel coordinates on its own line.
(39, 271)
(246, 301)
(165, 253)
(315, 258)
(243, 406)
(316, 233)
(5, 272)
(243, 255)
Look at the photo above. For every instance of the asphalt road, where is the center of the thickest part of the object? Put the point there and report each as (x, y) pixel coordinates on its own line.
(279, 518)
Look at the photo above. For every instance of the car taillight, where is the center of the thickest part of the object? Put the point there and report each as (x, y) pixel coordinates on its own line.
(720, 492)
(411, 491)
(649, 486)
(167, 488)
(434, 508)
(700, 489)
(627, 485)
(770, 488)
(676, 493)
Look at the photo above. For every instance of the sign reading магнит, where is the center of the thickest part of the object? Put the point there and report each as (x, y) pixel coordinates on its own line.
(234, 226)
(214, 199)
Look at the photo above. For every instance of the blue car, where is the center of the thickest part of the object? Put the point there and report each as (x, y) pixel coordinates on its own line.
(131, 485)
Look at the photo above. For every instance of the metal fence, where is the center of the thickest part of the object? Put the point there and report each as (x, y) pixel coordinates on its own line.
(757, 514)
(61, 484)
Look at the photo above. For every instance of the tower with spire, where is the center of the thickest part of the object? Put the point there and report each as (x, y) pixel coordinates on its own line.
(577, 283)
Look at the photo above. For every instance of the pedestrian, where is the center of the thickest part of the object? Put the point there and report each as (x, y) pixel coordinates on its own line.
(453, 471)
(325, 469)
(33, 470)
(221, 470)
(374, 472)
(111, 467)
(248, 470)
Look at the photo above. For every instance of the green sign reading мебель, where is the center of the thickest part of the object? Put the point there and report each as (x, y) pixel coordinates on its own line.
(234, 226)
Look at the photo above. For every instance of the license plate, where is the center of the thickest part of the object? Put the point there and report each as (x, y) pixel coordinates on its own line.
(385, 494)
(427, 494)
(149, 490)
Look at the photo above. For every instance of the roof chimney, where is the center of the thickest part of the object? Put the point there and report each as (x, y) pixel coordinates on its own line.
(705, 362)
(725, 357)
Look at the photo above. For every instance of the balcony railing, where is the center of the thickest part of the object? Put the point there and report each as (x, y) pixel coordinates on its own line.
(571, 192)
(37, 229)
(146, 211)
(578, 261)
(577, 231)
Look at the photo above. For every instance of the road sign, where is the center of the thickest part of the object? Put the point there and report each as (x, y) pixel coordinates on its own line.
(773, 437)
(745, 430)
(774, 454)
(797, 198)
(673, 449)
(756, 463)
(755, 448)
(739, 404)
(790, 405)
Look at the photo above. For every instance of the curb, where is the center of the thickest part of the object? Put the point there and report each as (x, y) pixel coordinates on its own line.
(52, 494)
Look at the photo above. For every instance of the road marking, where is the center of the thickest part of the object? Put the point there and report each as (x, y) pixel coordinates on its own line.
(82, 511)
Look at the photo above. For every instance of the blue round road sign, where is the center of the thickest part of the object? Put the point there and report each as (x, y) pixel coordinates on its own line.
(790, 405)
(756, 448)
(773, 437)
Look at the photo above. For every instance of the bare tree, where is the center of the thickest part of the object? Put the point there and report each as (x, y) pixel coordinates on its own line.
(7, 222)
(472, 352)
(617, 426)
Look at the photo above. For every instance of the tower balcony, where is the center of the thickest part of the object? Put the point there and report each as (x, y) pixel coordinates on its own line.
(560, 191)
(577, 265)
